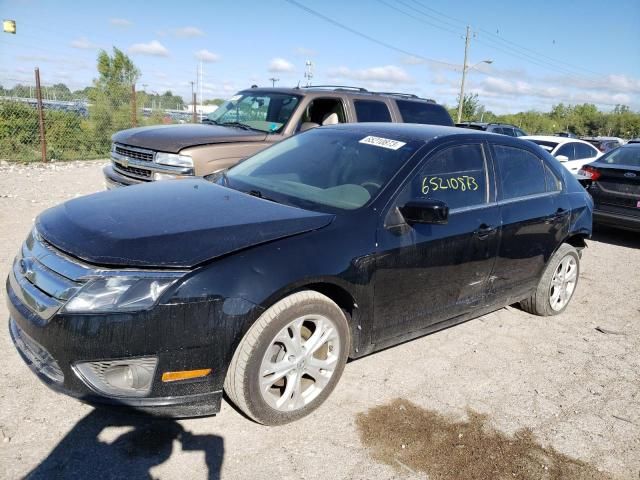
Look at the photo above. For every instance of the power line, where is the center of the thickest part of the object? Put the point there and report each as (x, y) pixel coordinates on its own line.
(393, 7)
(368, 37)
(513, 45)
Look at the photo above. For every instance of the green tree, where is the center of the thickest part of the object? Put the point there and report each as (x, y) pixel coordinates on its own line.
(470, 106)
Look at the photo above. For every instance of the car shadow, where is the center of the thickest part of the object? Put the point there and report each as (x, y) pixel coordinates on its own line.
(148, 442)
(614, 236)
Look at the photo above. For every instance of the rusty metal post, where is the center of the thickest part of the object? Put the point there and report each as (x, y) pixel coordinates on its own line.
(134, 120)
(43, 140)
(193, 101)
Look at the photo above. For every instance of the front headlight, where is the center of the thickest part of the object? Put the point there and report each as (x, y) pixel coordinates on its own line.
(115, 294)
(174, 159)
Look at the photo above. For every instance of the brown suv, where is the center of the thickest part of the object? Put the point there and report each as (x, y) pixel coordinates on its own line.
(250, 121)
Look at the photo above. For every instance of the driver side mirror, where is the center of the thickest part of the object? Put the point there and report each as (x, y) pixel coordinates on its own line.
(562, 158)
(425, 211)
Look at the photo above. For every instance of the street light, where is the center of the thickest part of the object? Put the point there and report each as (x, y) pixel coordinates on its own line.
(465, 68)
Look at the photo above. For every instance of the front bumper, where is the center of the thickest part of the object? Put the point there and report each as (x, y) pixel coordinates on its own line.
(52, 347)
(113, 179)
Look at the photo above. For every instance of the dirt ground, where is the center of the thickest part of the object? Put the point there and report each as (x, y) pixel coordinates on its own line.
(507, 395)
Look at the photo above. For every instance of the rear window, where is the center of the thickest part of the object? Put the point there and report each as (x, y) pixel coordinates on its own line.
(546, 146)
(422, 112)
(629, 156)
(371, 111)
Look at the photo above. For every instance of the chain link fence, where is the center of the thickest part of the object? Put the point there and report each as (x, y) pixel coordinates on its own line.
(76, 127)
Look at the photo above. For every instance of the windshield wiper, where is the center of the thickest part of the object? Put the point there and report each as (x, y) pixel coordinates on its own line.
(244, 126)
(258, 193)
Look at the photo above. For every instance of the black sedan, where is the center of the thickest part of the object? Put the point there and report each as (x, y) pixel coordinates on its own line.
(329, 245)
(615, 187)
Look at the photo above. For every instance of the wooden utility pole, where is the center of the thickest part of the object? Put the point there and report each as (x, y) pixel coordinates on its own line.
(134, 120)
(43, 140)
(464, 72)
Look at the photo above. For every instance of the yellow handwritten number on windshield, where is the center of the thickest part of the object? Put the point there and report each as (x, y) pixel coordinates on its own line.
(462, 183)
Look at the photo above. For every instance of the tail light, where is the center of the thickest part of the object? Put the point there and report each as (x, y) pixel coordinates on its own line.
(591, 172)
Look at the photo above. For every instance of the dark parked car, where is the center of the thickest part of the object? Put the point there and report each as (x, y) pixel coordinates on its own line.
(330, 245)
(615, 187)
(604, 144)
(501, 128)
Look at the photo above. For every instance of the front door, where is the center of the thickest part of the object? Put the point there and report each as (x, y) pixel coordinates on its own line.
(427, 273)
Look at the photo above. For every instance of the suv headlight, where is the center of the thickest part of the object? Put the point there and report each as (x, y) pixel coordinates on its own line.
(117, 294)
(174, 159)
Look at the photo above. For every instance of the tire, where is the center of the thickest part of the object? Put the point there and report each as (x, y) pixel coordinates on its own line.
(559, 281)
(271, 345)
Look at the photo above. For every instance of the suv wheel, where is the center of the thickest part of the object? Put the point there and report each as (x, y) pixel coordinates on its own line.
(557, 284)
(290, 360)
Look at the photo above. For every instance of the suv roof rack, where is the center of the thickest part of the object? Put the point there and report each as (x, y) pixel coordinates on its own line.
(405, 95)
(338, 87)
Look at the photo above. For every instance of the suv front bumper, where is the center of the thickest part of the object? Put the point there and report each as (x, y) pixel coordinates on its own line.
(113, 179)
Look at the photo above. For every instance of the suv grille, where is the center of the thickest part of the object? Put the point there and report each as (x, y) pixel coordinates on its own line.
(138, 172)
(138, 153)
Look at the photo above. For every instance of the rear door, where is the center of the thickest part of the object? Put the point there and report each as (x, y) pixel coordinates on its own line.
(534, 216)
(428, 273)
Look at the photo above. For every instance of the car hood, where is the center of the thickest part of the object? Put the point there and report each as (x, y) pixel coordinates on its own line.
(173, 138)
(173, 224)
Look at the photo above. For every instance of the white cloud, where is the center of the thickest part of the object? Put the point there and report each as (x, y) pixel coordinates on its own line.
(305, 52)
(154, 48)
(387, 74)
(120, 22)
(411, 60)
(187, 32)
(207, 56)
(280, 65)
(83, 43)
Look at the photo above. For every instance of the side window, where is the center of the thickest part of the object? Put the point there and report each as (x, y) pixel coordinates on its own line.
(553, 182)
(371, 111)
(508, 131)
(423, 112)
(521, 172)
(323, 111)
(455, 175)
(567, 150)
(519, 133)
(584, 151)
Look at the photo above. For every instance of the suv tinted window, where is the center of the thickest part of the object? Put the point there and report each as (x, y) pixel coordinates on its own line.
(455, 175)
(422, 112)
(584, 151)
(567, 150)
(521, 172)
(371, 111)
(519, 133)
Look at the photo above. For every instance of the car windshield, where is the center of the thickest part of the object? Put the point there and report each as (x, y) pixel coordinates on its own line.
(323, 169)
(547, 146)
(622, 156)
(267, 112)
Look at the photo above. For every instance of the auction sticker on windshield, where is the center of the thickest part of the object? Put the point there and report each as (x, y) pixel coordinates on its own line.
(383, 142)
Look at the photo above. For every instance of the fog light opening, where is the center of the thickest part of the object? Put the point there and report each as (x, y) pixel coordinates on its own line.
(131, 377)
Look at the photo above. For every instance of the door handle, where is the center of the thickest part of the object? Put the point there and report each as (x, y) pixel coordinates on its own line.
(484, 231)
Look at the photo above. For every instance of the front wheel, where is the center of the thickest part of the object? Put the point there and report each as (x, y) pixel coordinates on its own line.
(290, 360)
(557, 284)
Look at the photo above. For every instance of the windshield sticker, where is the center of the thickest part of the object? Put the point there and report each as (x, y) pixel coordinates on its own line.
(383, 142)
(462, 183)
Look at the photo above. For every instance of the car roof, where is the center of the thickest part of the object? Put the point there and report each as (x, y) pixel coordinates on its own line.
(338, 91)
(554, 139)
(414, 131)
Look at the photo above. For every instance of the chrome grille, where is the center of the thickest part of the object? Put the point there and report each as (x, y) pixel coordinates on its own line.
(137, 153)
(43, 278)
(128, 169)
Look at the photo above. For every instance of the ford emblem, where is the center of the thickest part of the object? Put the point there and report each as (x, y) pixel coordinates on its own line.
(630, 175)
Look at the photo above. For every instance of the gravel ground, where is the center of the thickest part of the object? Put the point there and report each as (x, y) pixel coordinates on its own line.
(575, 388)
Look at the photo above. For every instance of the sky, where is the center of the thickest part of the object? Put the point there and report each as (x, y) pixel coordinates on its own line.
(542, 52)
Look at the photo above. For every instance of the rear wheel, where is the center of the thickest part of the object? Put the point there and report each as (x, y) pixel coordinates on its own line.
(557, 284)
(290, 360)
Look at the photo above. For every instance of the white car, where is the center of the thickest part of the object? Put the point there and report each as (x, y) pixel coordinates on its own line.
(571, 152)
